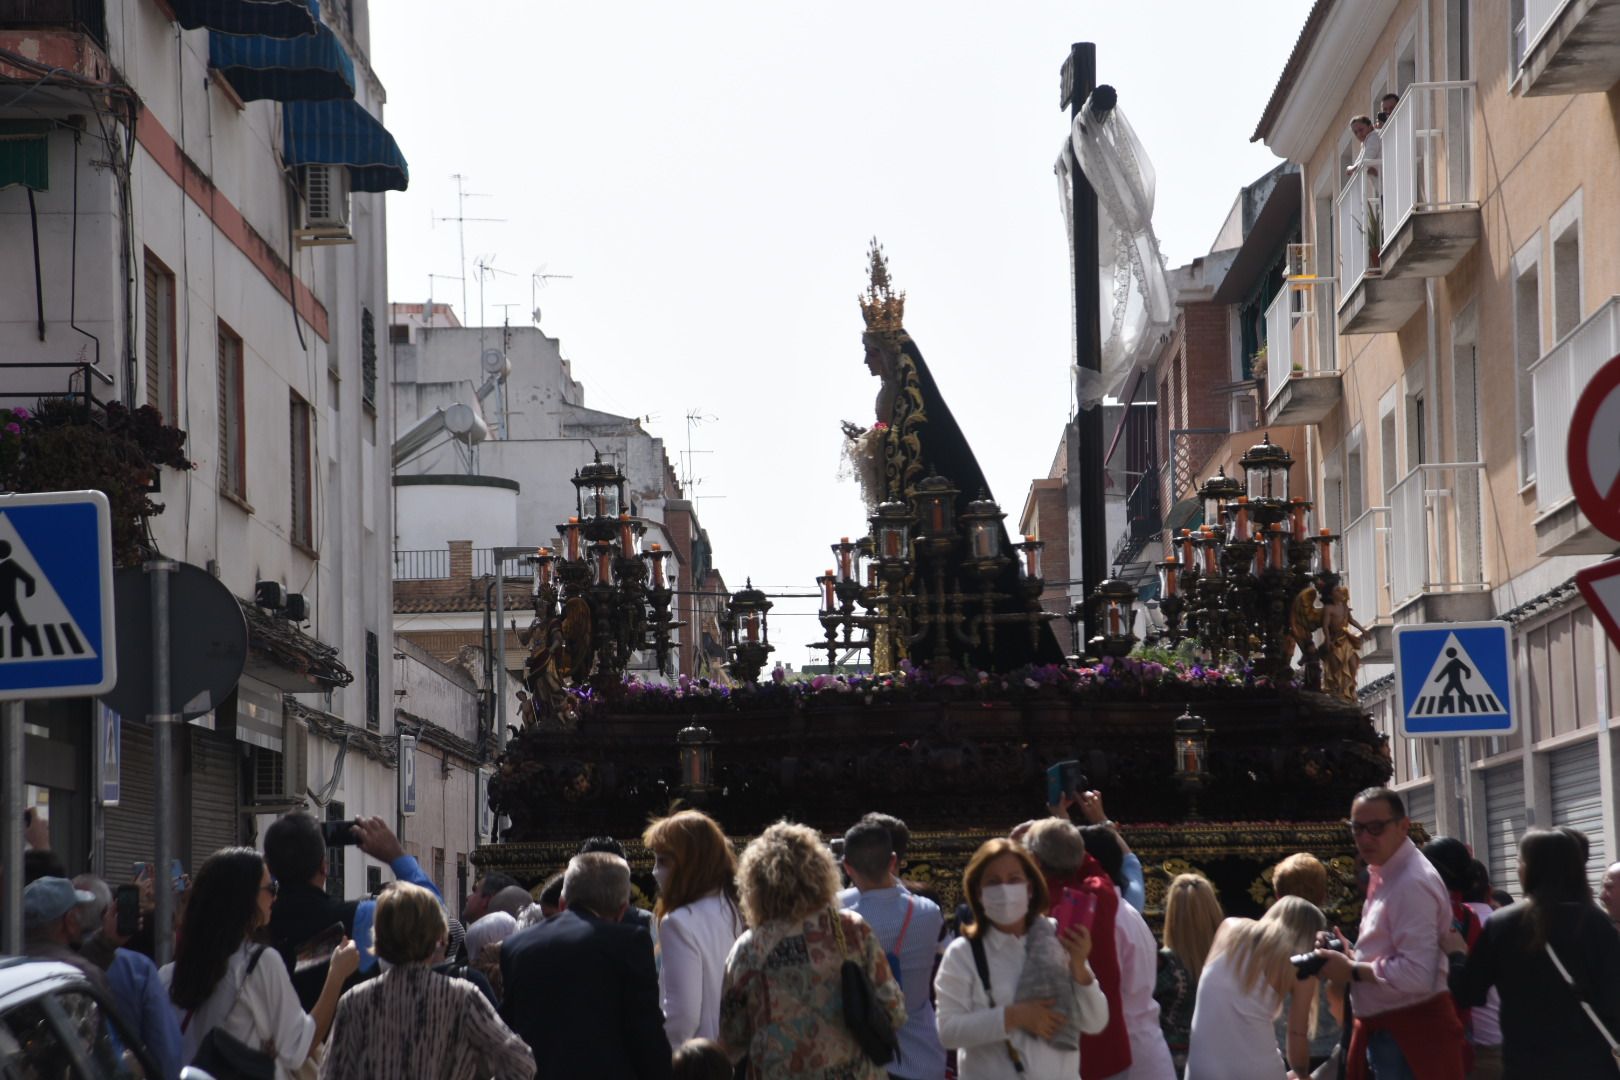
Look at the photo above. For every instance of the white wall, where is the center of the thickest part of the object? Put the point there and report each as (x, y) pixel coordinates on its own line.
(430, 516)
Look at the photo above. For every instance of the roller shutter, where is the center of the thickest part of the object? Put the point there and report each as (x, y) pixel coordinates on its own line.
(129, 836)
(1504, 822)
(1577, 798)
(1420, 807)
(211, 792)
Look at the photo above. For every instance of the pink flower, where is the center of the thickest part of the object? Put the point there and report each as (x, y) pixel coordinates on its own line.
(14, 429)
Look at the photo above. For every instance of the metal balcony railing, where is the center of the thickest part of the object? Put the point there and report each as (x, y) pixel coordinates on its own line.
(484, 565)
(1366, 553)
(422, 565)
(1538, 15)
(1435, 532)
(1290, 344)
(1556, 382)
(1428, 152)
(1357, 213)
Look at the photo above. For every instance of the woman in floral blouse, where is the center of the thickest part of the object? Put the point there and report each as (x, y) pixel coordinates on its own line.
(782, 1003)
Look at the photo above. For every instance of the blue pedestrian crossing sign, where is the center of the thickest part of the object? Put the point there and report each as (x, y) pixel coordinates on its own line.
(1455, 679)
(56, 596)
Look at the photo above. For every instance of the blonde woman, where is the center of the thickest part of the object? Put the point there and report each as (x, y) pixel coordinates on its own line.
(1192, 915)
(782, 1003)
(697, 920)
(1245, 979)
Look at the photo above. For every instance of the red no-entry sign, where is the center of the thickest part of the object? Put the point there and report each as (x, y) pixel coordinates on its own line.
(1594, 450)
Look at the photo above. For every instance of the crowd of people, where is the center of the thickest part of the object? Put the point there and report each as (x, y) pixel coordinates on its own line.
(799, 959)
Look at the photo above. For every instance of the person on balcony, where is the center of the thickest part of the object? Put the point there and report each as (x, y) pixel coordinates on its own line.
(1372, 146)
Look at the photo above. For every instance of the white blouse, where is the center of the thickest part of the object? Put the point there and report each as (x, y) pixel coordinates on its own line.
(693, 943)
(969, 1025)
(262, 1010)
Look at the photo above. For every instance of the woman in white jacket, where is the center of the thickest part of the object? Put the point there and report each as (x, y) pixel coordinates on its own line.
(697, 920)
(1041, 994)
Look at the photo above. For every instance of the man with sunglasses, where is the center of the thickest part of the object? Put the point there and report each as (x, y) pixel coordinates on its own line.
(1405, 1023)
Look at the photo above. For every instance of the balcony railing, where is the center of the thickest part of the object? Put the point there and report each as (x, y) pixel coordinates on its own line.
(422, 565)
(1538, 16)
(484, 565)
(1355, 210)
(1428, 153)
(1290, 347)
(1434, 517)
(1366, 550)
(1556, 382)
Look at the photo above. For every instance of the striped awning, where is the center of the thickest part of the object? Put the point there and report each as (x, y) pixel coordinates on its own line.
(314, 67)
(344, 133)
(271, 18)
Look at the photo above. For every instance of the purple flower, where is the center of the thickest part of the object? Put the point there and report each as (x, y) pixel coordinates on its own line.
(21, 413)
(778, 674)
(14, 429)
(821, 682)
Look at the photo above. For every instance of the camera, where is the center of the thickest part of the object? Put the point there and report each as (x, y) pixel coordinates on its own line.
(1309, 964)
(339, 833)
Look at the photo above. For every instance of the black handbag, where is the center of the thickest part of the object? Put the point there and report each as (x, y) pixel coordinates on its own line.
(864, 1015)
(225, 1057)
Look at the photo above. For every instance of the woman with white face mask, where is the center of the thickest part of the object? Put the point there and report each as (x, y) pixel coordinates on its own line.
(1013, 994)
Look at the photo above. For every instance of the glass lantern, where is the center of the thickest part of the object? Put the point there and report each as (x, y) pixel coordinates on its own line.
(696, 750)
(1169, 577)
(599, 490)
(845, 552)
(629, 536)
(1031, 549)
(1117, 601)
(892, 527)
(1192, 747)
(983, 520)
(654, 555)
(602, 559)
(1265, 471)
(1216, 493)
(748, 610)
(935, 507)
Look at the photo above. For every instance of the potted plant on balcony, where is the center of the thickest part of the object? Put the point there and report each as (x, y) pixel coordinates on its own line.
(1374, 232)
(1257, 365)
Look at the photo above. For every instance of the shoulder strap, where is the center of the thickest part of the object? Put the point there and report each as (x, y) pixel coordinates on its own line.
(1586, 1006)
(838, 932)
(911, 906)
(253, 961)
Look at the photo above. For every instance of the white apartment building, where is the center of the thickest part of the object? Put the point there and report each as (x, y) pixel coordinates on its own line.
(1457, 291)
(203, 197)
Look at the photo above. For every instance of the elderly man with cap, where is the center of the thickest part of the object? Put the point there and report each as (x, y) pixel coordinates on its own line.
(51, 925)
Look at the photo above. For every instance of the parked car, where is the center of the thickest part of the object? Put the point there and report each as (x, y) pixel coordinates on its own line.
(55, 1026)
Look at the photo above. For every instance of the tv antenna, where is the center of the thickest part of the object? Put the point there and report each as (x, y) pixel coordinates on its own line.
(537, 281)
(461, 219)
(695, 418)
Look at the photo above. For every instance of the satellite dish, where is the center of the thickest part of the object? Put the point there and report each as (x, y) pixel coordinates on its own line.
(495, 363)
(537, 316)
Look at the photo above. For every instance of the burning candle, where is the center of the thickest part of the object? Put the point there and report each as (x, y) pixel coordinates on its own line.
(1325, 544)
(1113, 618)
(846, 552)
(828, 595)
(1299, 519)
(1187, 549)
(752, 623)
(1172, 572)
(627, 536)
(937, 516)
(1240, 529)
(1276, 540)
(573, 538)
(983, 542)
(1209, 559)
(604, 565)
(891, 543)
(871, 575)
(543, 566)
(1032, 558)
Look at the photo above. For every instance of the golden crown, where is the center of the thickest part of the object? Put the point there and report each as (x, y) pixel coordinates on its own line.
(881, 306)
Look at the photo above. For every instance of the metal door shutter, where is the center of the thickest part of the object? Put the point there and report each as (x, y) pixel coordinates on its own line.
(1504, 822)
(1420, 807)
(129, 836)
(212, 796)
(1577, 798)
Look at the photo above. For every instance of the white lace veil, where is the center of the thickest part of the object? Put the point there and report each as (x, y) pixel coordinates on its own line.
(1135, 295)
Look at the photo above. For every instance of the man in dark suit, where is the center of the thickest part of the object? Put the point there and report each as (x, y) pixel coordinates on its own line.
(581, 988)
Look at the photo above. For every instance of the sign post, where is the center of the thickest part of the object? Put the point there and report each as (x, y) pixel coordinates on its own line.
(56, 638)
(1455, 679)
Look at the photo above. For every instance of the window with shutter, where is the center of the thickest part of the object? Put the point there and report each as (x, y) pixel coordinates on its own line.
(368, 358)
(302, 474)
(232, 416)
(373, 684)
(162, 376)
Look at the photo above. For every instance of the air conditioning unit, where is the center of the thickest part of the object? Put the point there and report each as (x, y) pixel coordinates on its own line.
(324, 190)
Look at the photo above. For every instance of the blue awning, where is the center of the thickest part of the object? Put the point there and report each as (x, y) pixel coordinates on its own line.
(343, 133)
(272, 18)
(315, 67)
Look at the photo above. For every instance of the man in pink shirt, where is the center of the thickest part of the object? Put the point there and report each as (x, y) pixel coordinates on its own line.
(1406, 1025)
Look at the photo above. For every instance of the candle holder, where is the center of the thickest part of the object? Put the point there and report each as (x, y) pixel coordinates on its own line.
(745, 622)
(695, 751)
(1117, 600)
(1191, 739)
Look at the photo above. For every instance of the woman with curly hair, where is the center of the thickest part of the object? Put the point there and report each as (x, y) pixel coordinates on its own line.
(782, 1002)
(697, 920)
(220, 979)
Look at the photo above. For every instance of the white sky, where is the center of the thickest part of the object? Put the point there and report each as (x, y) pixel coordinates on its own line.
(710, 173)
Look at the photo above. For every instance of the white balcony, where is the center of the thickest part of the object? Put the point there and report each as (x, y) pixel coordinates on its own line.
(1366, 575)
(1369, 303)
(1567, 47)
(1298, 389)
(1557, 380)
(1436, 556)
(1430, 205)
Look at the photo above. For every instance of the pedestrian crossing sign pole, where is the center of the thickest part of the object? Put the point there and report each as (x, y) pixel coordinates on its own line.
(1455, 679)
(56, 596)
